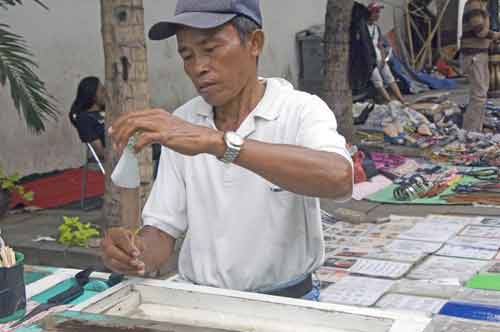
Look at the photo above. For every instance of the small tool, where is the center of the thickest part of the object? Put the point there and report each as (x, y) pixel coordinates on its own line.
(82, 278)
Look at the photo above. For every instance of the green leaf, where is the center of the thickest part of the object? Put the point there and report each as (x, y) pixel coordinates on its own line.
(5, 3)
(29, 196)
(29, 94)
(74, 233)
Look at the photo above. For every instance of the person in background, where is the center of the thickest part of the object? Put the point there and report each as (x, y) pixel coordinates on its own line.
(476, 40)
(382, 73)
(87, 113)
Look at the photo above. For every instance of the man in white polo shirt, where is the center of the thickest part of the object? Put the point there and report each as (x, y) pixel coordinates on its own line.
(242, 165)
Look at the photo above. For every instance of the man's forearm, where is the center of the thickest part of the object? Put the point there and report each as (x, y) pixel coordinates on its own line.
(296, 169)
(159, 247)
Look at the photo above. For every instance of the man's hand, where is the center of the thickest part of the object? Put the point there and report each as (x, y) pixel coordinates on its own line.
(122, 251)
(159, 126)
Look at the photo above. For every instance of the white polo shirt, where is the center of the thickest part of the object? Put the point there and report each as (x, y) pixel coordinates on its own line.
(241, 231)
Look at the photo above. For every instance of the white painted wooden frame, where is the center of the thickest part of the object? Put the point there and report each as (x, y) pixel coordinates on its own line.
(198, 306)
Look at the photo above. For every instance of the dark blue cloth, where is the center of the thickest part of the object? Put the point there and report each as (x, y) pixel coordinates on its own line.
(436, 83)
(410, 81)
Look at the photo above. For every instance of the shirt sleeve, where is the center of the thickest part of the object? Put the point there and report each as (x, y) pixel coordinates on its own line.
(87, 128)
(318, 129)
(165, 208)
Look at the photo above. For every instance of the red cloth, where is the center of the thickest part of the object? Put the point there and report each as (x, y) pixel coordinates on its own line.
(60, 189)
(445, 69)
(359, 172)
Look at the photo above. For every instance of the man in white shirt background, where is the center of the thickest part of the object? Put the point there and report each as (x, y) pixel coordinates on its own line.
(382, 73)
(242, 168)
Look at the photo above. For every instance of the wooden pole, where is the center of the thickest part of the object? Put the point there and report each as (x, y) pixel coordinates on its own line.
(337, 91)
(127, 89)
(410, 33)
(428, 42)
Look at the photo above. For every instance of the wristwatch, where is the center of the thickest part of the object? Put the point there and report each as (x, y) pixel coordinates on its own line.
(234, 142)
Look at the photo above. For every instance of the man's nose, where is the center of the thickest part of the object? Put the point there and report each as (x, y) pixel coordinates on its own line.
(201, 65)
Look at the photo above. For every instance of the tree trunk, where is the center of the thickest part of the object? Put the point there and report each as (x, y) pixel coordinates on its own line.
(127, 88)
(337, 91)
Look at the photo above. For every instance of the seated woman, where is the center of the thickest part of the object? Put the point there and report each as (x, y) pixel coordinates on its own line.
(87, 113)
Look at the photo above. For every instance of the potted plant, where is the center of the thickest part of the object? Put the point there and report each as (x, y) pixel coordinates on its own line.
(8, 185)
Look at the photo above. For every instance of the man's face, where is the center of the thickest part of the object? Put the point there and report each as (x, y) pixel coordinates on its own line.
(218, 64)
(375, 16)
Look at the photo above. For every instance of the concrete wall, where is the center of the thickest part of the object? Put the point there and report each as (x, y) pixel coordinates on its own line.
(67, 43)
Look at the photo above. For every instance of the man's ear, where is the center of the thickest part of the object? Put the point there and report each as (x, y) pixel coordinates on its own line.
(256, 42)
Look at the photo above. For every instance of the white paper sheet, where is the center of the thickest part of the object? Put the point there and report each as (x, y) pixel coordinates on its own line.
(378, 268)
(432, 231)
(413, 246)
(437, 267)
(356, 291)
(466, 252)
(475, 242)
(481, 231)
(411, 303)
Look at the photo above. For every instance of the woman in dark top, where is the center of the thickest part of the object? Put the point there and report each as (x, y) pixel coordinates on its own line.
(87, 113)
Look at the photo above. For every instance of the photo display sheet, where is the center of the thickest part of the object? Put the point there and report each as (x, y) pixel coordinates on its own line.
(358, 291)
(411, 303)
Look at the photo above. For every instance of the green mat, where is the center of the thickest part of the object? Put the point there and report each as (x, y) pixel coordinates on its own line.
(386, 195)
(31, 277)
(487, 281)
(95, 286)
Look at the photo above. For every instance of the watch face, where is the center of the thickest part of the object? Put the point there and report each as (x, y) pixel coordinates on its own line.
(234, 138)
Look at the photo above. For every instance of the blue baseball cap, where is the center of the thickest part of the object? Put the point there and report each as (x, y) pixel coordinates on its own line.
(205, 14)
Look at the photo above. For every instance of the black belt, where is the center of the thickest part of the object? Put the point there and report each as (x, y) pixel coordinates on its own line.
(296, 291)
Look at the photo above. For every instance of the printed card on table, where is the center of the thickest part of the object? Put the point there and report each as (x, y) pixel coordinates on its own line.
(437, 267)
(454, 219)
(451, 324)
(413, 246)
(397, 256)
(390, 230)
(340, 262)
(478, 296)
(481, 231)
(451, 250)
(378, 268)
(356, 291)
(475, 242)
(331, 275)
(495, 222)
(443, 289)
(432, 231)
(411, 303)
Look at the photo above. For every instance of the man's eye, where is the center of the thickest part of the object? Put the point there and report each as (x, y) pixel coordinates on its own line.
(187, 57)
(210, 49)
